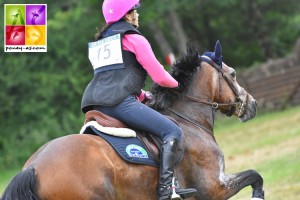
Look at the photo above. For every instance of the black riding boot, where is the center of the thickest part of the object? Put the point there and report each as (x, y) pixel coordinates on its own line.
(166, 174)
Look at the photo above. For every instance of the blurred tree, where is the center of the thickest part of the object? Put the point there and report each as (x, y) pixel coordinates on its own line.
(160, 39)
(258, 28)
(41, 92)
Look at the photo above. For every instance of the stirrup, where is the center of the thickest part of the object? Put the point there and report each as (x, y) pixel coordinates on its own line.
(174, 195)
(179, 195)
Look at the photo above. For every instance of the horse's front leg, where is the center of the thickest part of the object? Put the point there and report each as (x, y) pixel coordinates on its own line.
(235, 182)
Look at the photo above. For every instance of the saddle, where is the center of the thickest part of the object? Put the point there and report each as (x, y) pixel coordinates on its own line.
(103, 119)
(152, 143)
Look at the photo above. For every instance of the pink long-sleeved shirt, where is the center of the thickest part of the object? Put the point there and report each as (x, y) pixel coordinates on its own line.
(140, 46)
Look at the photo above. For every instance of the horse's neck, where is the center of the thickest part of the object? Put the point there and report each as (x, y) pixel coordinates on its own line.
(199, 113)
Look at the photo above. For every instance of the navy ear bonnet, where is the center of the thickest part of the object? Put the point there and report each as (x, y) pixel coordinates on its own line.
(216, 56)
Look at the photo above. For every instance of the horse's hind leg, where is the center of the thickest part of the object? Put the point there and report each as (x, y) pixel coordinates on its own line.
(235, 182)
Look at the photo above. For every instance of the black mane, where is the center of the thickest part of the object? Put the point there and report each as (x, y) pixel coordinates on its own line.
(182, 71)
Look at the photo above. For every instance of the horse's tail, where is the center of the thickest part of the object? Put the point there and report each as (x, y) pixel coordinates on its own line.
(22, 186)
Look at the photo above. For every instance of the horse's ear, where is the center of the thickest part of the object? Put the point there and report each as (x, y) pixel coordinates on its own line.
(218, 50)
(216, 56)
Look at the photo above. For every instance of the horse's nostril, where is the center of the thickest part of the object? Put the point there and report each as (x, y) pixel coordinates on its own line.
(255, 102)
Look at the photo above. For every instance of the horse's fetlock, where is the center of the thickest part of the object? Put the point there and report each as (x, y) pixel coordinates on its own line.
(258, 194)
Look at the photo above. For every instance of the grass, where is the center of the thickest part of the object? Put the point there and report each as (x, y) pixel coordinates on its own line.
(270, 144)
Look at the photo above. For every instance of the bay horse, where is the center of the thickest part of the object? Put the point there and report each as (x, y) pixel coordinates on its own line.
(82, 166)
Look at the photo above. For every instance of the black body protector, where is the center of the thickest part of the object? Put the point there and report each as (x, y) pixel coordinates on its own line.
(117, 73)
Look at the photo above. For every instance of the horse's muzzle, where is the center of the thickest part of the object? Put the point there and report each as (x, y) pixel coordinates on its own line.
(246, 109)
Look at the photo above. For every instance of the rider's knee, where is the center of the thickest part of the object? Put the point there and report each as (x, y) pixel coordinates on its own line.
(175, 133)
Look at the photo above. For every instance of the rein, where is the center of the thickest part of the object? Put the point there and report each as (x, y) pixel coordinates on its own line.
(214, 105)
(192, 121)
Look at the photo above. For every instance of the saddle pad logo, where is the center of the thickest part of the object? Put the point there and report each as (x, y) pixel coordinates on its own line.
(136, 151)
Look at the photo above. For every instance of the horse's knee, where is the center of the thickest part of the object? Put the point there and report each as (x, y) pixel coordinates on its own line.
(257, 179)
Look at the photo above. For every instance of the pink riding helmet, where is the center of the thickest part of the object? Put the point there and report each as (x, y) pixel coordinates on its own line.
(114, 10)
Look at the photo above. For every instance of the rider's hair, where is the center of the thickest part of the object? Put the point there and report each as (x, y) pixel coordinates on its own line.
(98, 35)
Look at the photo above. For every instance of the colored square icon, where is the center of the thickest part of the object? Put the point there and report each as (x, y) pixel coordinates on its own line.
(35, 14)
(25, 28)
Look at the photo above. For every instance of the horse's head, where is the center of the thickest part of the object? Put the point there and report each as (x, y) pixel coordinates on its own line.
(230, 97)
(209, 82)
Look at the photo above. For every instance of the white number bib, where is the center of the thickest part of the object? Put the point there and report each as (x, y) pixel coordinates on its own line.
(107, 51)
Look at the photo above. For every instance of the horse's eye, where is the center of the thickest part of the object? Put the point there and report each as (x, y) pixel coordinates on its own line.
(233, 74)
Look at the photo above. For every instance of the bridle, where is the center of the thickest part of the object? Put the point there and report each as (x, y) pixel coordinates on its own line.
(236, 107)
(240, 103)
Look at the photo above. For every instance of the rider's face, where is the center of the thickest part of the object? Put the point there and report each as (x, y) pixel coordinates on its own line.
(133, 18)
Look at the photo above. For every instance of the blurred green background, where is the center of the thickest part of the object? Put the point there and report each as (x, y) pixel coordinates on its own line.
(41, 92)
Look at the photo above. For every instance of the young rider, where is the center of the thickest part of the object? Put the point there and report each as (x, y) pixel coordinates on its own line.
(122, 57)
